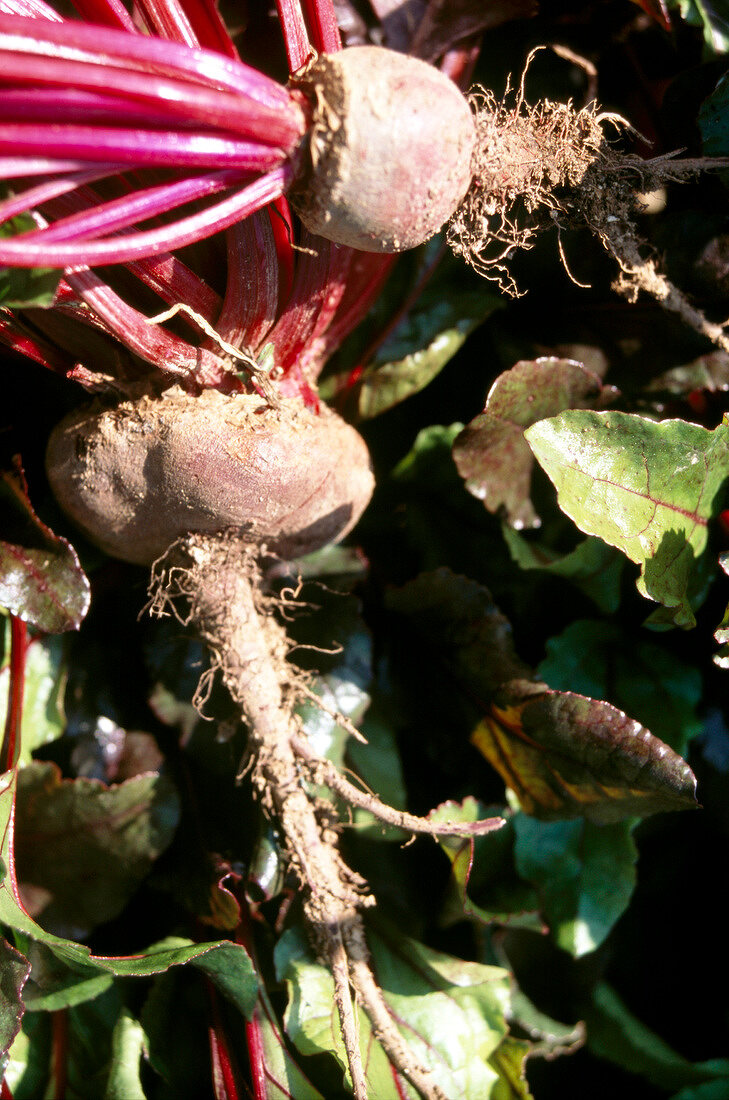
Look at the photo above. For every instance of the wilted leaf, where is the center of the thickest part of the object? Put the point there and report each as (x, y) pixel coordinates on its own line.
(42, 717)
(41, 580)
(485, 886)
(565, 755)
(491, 453)
(616, 1034)
(82, 849)
(451, 1013)
(458, 617)
(593, 567)
(584, 875)
(649, 489)
(14, 970)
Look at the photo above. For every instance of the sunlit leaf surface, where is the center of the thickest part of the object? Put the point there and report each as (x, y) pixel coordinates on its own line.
(650, 489)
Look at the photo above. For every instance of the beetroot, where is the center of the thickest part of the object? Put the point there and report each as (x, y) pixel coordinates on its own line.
(390, 147)
(137, 476)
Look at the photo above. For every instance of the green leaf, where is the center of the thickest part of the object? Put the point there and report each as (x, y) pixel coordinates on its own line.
(584, 874)
(709, 1090)
(491, 453)
(711, 18)
(424, 340)
(14, 970)
(614, 1033)
(649, 489)
(452, 1013)
(378, 764)
(26, 288)
(709, 372)
(565, 755)
(593, 567)
(42, 716)
(127, 1046)
(282, 1077)
(41, 580)
(226, 963)
(26, 1071)
(646, 680)
(460, 619)
(82, 848)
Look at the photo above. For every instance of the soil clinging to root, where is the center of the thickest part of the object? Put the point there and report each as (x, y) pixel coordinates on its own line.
(214, 582)
(552, 166)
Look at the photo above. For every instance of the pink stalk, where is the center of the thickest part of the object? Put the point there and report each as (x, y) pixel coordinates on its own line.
(168, 20)
(18, 651)
(323, 27)
(14, 335)
(172, 99)
(44, 192)
(133, 246)
(138, 53)
(110, 13)
(117, 214)
(17, 167)
(251, 292)
(296, 38)
(141, 148)
(173, 356)
(174, 282)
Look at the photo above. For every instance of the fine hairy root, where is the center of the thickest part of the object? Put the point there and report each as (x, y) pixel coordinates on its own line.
(552, 166)
(214, 583)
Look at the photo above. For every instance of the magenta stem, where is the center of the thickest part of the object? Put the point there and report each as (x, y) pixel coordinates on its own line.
(18, 651)
(134, 246)
(296, 38)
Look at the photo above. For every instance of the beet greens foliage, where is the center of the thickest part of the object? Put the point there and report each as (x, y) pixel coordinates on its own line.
(527, 633)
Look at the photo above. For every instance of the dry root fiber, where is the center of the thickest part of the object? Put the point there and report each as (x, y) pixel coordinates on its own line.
(214, 582)
(551, 166)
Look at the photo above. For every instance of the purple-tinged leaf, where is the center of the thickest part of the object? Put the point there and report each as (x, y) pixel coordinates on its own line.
(650, 489)
(491, 452)
(82, 849)
(565, 755)
(647, 680)
(41, 581)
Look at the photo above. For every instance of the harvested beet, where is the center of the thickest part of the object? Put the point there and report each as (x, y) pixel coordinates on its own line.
(137, 476)
(390, 142)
